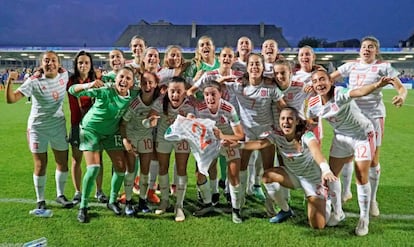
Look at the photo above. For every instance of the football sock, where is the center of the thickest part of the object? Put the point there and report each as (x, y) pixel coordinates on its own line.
(116, 183)
(181, 189)
(88, 183)
(276, 194)
(128, 184)
(60, 179)
(364, 199)
(39, 184)
(153, 173)
(374, 177)
(243, 185)
(223, 167)
(346, 177)
(143, 186)
(235, 196)
(205, 191)
(335, 195)
(163, 181)
(214, 186)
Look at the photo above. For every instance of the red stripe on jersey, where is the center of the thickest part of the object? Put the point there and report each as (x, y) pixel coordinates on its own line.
(135, 103)
(237, 73)
(297, 84)
(213, 72)
(202, 106)
(226, 107)
(314, 100)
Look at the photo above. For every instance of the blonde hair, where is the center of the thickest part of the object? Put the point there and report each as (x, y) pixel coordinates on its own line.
(168, 50)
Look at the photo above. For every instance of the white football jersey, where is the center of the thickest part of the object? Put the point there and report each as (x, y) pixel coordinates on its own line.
(47, 100)
(342, 114)
(361, 74)
(198, 132)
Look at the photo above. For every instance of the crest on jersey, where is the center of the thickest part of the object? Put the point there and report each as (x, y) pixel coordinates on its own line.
(61, 81)
(374, 69)
(264, 92)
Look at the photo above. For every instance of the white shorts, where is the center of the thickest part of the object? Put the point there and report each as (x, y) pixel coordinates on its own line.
(345, 146)
(257, 132)
(144, 145)
(39, 140)
(312, 186)
(166, 147)
(230, 153)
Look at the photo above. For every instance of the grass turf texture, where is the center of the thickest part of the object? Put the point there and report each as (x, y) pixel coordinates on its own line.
(393, 228)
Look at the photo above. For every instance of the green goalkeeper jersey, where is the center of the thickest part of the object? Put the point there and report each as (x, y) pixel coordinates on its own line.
(109, 107)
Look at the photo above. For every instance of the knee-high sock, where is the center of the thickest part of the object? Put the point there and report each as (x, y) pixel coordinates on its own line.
(60, 179)
(153, 173)
(258, 164)
(116, 184)
(128, 184)
(175, 175)
(335, 195)
(181, 189)
(276, 194)
(346, 177)
(88, 183)
(364, 199)
(214, 186)
(143, 186)
(235, 196)
(164, 183)
(374, 177)
(39, 184)
(252, 171)
(243, 185)
(136, 168)
(205, 191)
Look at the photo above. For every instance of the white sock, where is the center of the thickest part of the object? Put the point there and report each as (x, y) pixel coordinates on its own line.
(128, 184)
(60, 178)
(374, 177)
(143, 186)
(251, 171)
(243, 185)
(235, 196)
(258, 164)
(214, 186)
(364, 199)
(39, 184)
(181, 189)
(163, 181)
(205, 192)
(153, 173)
(346, 177)
(276, 194)
(175, 177)
(335, 195)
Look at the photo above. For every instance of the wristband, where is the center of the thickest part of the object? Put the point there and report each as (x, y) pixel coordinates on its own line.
(146, 123)
(324, 168)
(241, 145)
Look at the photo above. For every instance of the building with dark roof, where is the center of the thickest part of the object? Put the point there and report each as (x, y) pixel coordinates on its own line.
(161, 34)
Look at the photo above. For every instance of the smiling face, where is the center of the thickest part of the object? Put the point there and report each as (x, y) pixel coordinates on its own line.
(116, 60)
(255, 68)
(148, 83)
(151, 59)
(176, 93)
(368, 51)
(306, 58)
(269, 51)
(137, 47)
(84, 65)
(321, 83)
(124, 81)
(244, 46)
(205, 48)
(282, 75)
(50, 64)
(226, 58)
(174, 58)
(212, 97)
(288, 121)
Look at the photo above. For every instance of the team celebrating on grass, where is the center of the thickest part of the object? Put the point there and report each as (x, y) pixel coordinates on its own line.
(266, 132)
